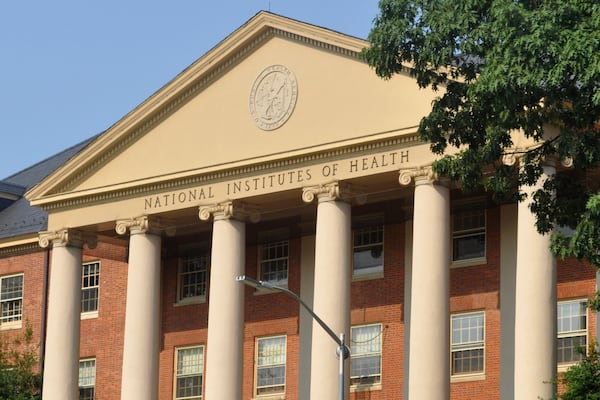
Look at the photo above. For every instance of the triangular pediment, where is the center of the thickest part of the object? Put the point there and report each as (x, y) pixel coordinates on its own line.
(274, 89)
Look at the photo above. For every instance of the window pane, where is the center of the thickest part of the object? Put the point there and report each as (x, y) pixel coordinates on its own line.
(467, 247)
(366, 354)
(90, 281)
(572, 330)
(86, 393)
(270, 370)
(193, 274)
(567, 349)
(189, 373)
(368, 250)
(467, 361)
(189, 387)
(271, 376)
(466, 220)
(468, 236)
(467, 350)
(87, 379)
(274, 262)
(11, 298)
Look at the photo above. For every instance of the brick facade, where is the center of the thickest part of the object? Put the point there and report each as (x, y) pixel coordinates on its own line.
(379, 300)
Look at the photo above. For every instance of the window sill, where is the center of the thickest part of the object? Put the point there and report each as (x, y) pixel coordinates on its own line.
(367, 277)
(467, 378)
(11, 325)
(563, 367)
(89, 315)
(469, 262)
(190, 300)
(280, 396)
(366, 388)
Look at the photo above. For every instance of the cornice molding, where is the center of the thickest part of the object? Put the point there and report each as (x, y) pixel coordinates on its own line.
(20, 249)
(230, 173)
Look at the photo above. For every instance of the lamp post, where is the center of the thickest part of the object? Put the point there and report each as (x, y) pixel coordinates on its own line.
(342, 350)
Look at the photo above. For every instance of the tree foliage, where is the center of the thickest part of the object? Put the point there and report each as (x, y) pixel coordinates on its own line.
(507, 66)
(19, 362)
(582, 380)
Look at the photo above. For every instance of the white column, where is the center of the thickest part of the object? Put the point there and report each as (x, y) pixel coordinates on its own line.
(508, 270)
(429, 360)
(535, 306)
(332, 279)
(61, 361)
(141, 345)
(307, 278)
(224, 355)
(408, 258)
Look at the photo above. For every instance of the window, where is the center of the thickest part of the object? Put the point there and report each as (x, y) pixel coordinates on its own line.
(468, 236)
(90, 281)
(572, 330)
(368, 248)
(366, 355)
(87, 379)
(11, 299)
(193, 275)
(274, 262)
(467, 343)
(189, 372)
(270, 365)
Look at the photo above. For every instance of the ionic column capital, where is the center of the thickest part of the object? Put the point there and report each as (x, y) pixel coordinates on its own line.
(229, 209)
(144, 224)
(67, 237)
(424, 173)
(515, 155)
(333, 191)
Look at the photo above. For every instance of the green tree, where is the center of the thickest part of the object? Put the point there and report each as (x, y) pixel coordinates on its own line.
(19, 362)
(582, 380)
(507, 66)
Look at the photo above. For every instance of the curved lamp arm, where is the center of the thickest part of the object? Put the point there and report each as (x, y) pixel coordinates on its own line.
(267, 285)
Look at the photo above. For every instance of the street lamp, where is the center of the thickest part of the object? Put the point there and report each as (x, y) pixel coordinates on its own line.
(342, 350)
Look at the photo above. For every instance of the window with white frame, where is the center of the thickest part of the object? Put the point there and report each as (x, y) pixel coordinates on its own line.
(366, 354)
(11, 299)
(468, 233)
(468, 343)
(90, 282)
(270, 365)
(87, 379)
(572, 330)
(193, 274)
(189, 372)
(273, 262)
(367, 238)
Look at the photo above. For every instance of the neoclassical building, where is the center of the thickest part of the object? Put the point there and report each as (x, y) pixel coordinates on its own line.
(280, 155)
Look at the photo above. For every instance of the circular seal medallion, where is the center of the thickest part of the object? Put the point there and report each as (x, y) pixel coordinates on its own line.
(273, 97)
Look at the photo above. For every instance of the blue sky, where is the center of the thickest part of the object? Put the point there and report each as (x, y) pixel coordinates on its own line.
(70, 69)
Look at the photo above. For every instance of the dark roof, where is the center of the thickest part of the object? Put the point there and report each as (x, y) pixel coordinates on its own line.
(17, 217)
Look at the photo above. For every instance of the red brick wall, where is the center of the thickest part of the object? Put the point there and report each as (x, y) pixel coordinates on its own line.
(472, 288)
(102, 337)
(32, 265)
(379, 300)
(182, 325)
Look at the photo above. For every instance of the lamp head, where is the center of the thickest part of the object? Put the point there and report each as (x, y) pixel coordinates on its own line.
(253, 282)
